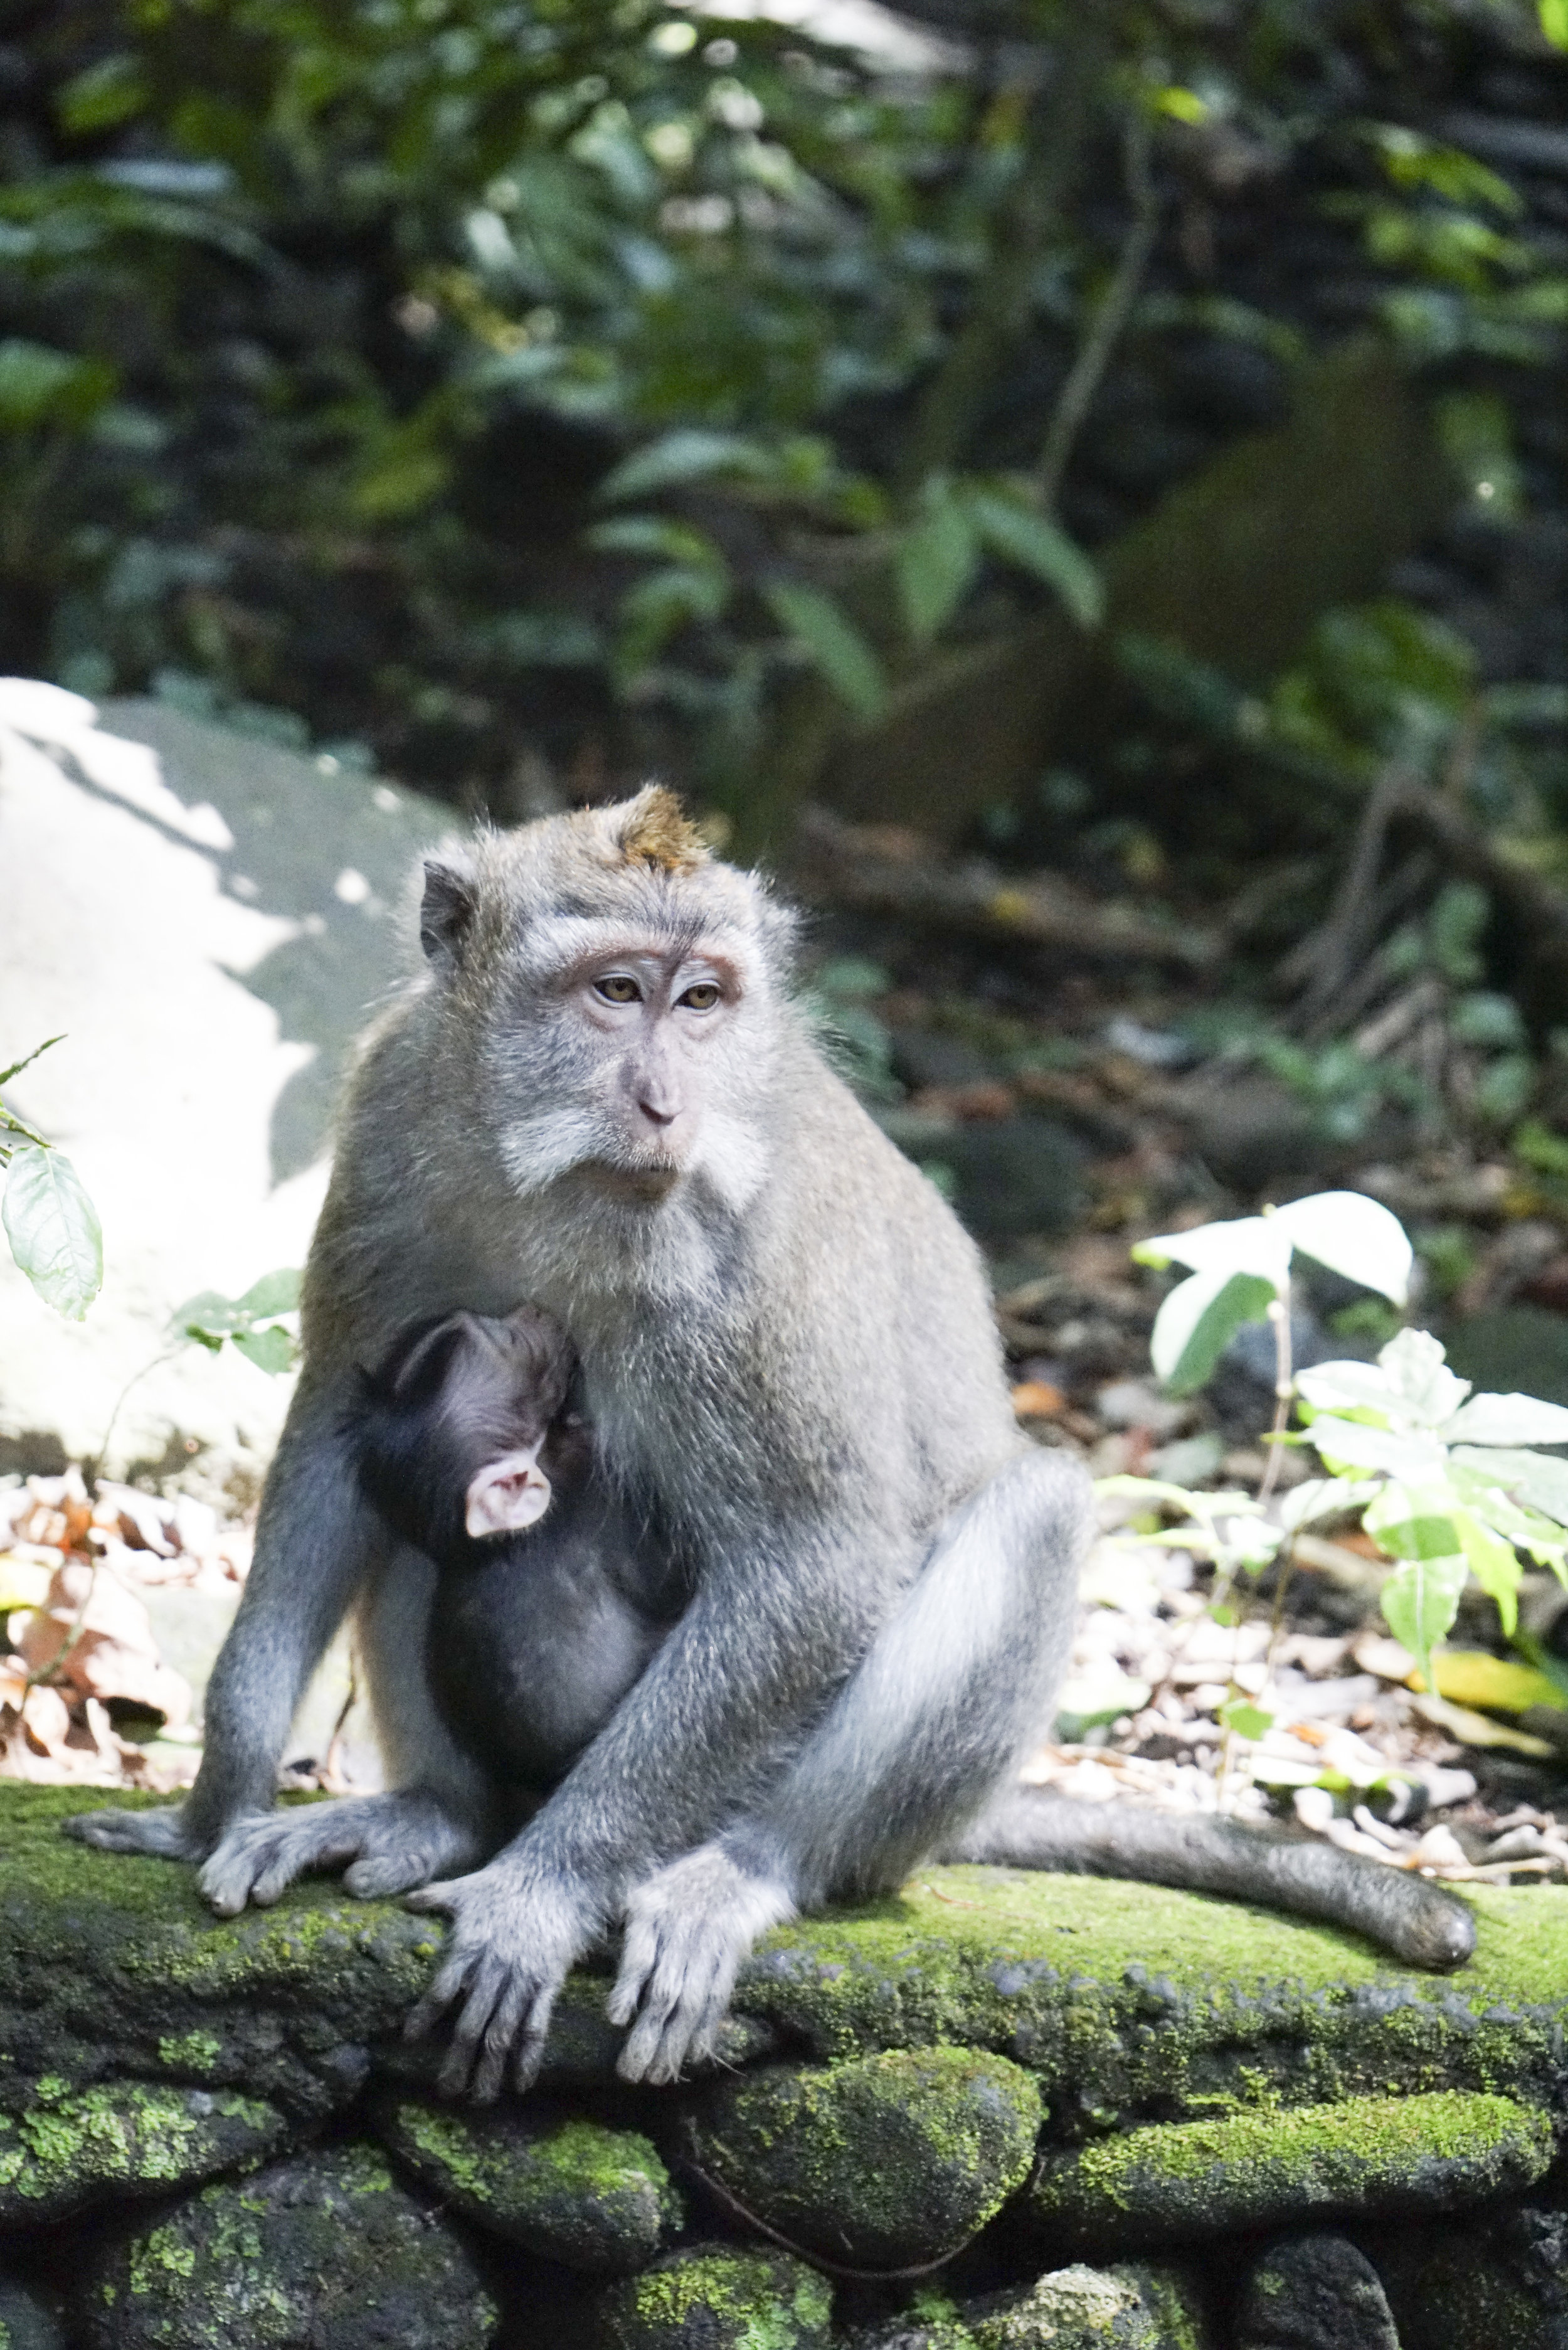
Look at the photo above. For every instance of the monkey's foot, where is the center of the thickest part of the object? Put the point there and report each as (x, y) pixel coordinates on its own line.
(163, 1833)
(394, 1842)
(516, 1936)
(686, 1930)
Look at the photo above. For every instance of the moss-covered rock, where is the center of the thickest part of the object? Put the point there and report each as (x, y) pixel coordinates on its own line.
(593, 2198)
(1313, 2292)
(881, 2163)
(1136, 2304)
(322, 2252)
(714, 2298)
(1186, 2180)
(112, 1966)
(64, 2151)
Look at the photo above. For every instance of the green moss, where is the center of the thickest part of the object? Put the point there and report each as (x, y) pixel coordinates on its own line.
(1193, 2179)
(55, 2156)
(190, 2052)
(885, 2161)
(593, 2198)
(720, 2300)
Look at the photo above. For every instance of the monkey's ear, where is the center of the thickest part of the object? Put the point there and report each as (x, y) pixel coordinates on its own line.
(508, 1494)
(446, 913)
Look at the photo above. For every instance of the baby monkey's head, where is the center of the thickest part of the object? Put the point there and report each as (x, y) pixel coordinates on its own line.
(453, 1423)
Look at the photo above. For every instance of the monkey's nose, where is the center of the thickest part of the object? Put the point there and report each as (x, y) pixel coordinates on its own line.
(658, 1113)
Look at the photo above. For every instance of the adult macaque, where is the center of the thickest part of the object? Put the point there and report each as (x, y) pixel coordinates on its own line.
(599, 1097)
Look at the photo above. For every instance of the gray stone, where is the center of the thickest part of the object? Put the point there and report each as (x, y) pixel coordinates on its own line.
(1498, 2282)
(209, 919)
(1513, 1350)
(715, 2298)
(879, 2164)
(1178, 2181)
(593, 2198)
(1315, 2292)
(322, 2252)
(27, 2320)
(63, 2152)
(1127, 2307)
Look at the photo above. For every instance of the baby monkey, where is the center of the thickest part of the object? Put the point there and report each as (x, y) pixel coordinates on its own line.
(552, 1593)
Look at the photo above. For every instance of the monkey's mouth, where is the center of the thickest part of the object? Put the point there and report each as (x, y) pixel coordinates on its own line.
(644, 1184)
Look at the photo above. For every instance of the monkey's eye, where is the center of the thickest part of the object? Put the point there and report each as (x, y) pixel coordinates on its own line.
(702, 997)
(619, 989)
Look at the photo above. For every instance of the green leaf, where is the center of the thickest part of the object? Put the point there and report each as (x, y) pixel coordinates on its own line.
(835, 644)
(1507, 1419)
(1257, 1245)
(1473, 1676)
(270, 1350)
(1248, 1721)
(1023, 537)
(1351, 1444)
(104, 94)
(1534, 1478)
(1555, 21)
(1495, 1565)
(39, 385)
(1355, 1236)
(1198, 1320)
(1420, 1601)
(687, 455)
(209, 1319)
(53, 1228)
(938, 559)
(275, 1293)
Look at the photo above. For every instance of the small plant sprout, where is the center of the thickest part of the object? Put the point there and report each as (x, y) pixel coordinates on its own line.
(1445, 1482)
(249, 1323)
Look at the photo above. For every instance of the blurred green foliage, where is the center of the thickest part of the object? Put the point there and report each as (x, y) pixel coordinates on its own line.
(468, 379)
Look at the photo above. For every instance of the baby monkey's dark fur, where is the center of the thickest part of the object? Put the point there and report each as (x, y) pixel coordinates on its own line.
(536, 1629)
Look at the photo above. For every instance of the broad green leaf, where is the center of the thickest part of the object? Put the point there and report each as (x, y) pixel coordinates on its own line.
(1028, 540)
(1507, 1419)
(1494, 1563)
(275, 1293)
(1546, 1541)
(1415, 1520)
(1555, 21)
(1417, 1368)
(39, 385)
(209, 1319)
(1534, 1478)
(1472, 1676)
(1420, 1600)
(53, 1228)
(652, 534)
(1352, 1443)
(1242, 1244)
(837, 646)
(1198, 1320)
(687, 455)
(1355, 1236)
(270, 1350)
(937, 560)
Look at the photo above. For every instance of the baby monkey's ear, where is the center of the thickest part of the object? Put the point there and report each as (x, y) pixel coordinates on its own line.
(508, 1494)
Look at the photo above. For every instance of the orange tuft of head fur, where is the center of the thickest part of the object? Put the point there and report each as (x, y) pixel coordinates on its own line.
(656, 830)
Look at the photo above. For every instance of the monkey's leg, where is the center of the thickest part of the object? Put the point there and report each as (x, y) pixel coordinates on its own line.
(1034, 1827)
(947, 1699)
(436, 1817)
(315, 1543)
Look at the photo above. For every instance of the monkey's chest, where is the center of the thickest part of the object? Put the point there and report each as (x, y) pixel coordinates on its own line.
(529, 1659)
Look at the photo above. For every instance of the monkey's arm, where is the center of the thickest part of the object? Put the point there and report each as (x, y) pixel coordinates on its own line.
(747, 1664)
(1034, 1827)
(315, 1542)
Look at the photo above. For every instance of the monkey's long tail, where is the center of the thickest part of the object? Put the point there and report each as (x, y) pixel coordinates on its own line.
(1035, 1827)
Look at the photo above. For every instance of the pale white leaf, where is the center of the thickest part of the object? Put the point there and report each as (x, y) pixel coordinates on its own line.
(1355, 1236)
(1394, 1451)
(1534, 1478)
(1241, 1244)
(1325, 1497)
(1347, 1387)
(1507, 1419)
(1197, 1321)
(1417, 1368)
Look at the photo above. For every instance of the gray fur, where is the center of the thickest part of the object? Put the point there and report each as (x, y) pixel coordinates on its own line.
(785, 1334)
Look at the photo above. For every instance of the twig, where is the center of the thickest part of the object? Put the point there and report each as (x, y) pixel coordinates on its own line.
(818, 2260)
(1085, 376)
(1350, 918)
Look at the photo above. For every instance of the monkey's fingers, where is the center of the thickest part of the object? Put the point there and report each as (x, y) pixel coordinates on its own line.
(489, 1982)
(640, 1955)
(451, 1983)
(500, 2032)
(530, 2049)
(161, 1833)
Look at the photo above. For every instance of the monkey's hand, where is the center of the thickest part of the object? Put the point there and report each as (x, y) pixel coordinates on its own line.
(394, 1842)
(688, 1927)
(166, 1833)
(516, 1933)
